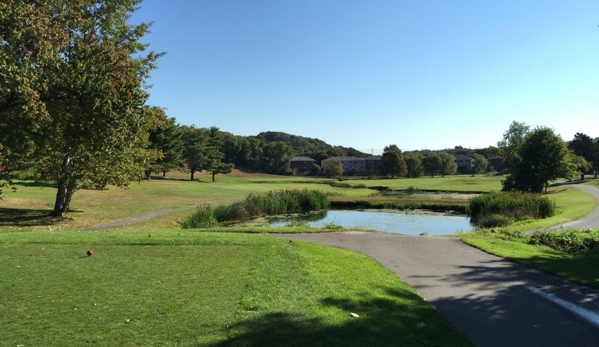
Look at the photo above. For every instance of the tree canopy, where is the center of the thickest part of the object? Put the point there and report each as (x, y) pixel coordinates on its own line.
(543, 157)
(392, 162)
(72, 91)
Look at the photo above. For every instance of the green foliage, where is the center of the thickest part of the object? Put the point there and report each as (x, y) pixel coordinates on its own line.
(392, 162)
(72, 92)
(333, 168)
(509, 147)
(584, 146)
(570, 241)
(414, 165)
(543, 156)
(271, 203)
(290, 201)
(203, 217)
(495, 208)
(480, 163)
(276, 158)
(165, 138)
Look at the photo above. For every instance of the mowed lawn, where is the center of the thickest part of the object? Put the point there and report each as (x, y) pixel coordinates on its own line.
(204, 289)
(27, 208)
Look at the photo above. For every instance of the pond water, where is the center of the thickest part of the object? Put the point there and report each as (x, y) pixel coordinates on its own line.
(399, 222)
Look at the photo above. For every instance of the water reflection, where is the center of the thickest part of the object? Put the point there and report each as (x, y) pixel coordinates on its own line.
(398, 222)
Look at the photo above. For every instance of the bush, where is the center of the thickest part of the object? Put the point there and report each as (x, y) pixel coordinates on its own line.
(568, 241)
(202, 218)
(513, 206)
(493, 220)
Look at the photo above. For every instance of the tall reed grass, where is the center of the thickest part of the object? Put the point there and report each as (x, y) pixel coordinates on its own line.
(496, 209)
(255, 205)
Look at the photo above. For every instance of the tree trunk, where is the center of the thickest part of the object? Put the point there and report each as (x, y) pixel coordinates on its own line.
(60, 199)
(163, 173)
(213, 174)
(192, 173)
(148, 174)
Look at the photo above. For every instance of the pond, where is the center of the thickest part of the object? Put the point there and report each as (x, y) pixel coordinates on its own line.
(392, 221)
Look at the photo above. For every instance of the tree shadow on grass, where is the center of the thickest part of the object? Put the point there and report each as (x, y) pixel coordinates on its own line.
(18, 217)
(386, 320)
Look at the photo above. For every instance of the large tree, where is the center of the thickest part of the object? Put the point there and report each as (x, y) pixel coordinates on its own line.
(276, 158)
(543, 157)
(166, 140)
(392, 162)
(584, 146)
(447, 165)
(194, 148)
(480, 163)
(72, 90)
(414, 165)
(509, 146)
(214, 156)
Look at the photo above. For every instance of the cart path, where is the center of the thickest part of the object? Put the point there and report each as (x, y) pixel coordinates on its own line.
(132, 220)
(490, 299)
(590, 221)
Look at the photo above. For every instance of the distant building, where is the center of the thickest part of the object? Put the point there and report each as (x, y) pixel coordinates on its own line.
(360, 165)
(302, 164)
(464, 163)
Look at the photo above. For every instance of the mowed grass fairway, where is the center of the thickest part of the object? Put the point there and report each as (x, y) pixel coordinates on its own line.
(27, 208)
(204, 289)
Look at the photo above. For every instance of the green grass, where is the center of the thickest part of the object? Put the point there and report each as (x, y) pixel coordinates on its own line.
(204, 289)
(578, 267)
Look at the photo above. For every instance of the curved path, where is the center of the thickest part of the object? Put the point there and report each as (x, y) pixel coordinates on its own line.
(590, 221)
(495, 302)
(127, 221)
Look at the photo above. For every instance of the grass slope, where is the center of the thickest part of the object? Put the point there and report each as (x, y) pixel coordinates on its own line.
(204, 289)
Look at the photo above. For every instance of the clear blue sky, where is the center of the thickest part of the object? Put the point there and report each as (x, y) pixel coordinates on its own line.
(366, 74)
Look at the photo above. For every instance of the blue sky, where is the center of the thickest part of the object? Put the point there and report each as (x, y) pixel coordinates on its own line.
(366, 74)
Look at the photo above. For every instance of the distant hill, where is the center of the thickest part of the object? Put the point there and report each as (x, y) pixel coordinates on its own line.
(309, 147)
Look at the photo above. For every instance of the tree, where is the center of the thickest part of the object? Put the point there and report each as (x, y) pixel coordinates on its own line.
(213, 154)
(414, 165)
(392, 162)
(509, 147)
(334, 168)
(166, 139)
(584, 146)
(480, 163)
(543, 157)
(431, 163)
(447, 164)
(72, 91)
(276, 158)
(194, 148)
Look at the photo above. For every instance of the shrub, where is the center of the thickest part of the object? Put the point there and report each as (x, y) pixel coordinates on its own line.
(514, 206)
(493, 220)
(202, 218)
(567, 241)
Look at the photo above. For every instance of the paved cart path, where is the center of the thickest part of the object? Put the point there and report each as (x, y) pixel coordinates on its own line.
(495, 302)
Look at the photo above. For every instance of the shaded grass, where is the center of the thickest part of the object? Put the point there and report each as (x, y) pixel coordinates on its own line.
(204, 289)
(578, 267)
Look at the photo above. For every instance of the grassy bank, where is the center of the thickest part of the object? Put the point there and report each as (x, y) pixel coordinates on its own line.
(204, 289)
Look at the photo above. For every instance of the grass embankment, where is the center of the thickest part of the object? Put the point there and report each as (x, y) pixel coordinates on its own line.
(204, 289)
(511, 243)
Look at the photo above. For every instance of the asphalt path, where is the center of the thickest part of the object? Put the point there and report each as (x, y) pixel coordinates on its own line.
(495, 302)
(590, 221)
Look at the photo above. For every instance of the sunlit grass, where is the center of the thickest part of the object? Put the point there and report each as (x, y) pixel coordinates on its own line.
(204, 289)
